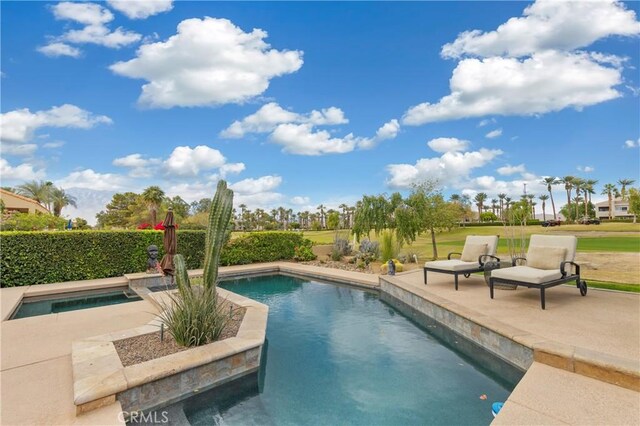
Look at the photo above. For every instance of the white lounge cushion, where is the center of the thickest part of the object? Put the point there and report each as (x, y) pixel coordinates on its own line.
(473, 251)
(548, 258)
(490, 240)
(527, 274)
(569, 242)
(453, 265)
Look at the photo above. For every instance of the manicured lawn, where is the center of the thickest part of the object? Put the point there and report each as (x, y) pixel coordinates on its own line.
(634, 288)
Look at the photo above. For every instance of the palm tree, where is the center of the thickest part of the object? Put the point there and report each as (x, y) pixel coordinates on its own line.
(480, 198)
(579, 185)
(153, 197)
(321, 207)
(610, 191)
(494, 205)
(39, 191)
(530, 198)
(588, 190)
(544, 199)
(623, 187)
(550, 181)
(501, 197)
(345, 214)
(568, 186)
(61, 200)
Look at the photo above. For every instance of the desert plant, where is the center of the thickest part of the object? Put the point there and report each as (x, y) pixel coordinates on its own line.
(388, 246)
(195, 315)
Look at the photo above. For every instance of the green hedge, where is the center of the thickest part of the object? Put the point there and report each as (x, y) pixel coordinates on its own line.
(530, 222)
(30, 258)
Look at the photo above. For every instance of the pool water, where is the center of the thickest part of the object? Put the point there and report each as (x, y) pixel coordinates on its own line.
(337, 355)
(73, 302)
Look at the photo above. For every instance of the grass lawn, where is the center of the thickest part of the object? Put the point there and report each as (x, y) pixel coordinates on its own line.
(634, 288)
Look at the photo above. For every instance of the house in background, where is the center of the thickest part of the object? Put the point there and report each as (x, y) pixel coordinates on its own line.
(620, 209)
(17, 203)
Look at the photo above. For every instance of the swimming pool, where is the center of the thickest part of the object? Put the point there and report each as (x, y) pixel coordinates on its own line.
(338, 355)
(34, 306)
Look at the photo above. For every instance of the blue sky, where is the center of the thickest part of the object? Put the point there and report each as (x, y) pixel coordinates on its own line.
(299, 104)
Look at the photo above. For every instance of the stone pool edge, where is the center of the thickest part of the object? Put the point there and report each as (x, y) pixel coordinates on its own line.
(99, 378)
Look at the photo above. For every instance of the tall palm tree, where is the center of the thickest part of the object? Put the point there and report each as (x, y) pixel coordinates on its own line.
(579, 186)
(588, 190)
(321, 207)
(530, 198)
(61, 200)
(153, 197)
(494, 205)
(544, 199)
(610, 191)
(550, 181)
(568, 186)
(480, 198)
(623, 187)
(501, 197)
(37, 190)
(345, 214)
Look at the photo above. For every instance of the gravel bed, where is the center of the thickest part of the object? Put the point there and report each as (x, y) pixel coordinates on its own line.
(146, 347)
(339, 265)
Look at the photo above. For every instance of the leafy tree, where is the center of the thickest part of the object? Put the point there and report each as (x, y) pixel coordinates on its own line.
(488, 217)
(118, 213)
(82, 223)
(180, 207)
(333, 220)
(153, 197)
(61, 199)
(201, 206)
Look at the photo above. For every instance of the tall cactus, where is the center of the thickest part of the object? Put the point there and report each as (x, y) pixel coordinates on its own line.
(219, 217)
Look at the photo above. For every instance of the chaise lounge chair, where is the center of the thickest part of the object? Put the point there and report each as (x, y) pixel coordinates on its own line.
(549, 263)
(477, 249)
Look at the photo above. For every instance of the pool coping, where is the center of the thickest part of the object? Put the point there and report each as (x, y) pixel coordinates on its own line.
(99, 378)
(491, 334)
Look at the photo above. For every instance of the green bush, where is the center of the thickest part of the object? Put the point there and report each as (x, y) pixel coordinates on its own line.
(30, 258)
(32, 222)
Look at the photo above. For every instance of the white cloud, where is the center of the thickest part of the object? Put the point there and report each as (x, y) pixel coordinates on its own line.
(56, 49)
(451, 168)
(187, 161)
(494, 134)
(545, 82)
(90, 179)
(389, 130)
(19, 125)
(139, 166)
(303, 140)
(510, 170)
(270, 115)
(548, 25)
(486, 121)
(51, 145)
(95, 31)
(631, 143)
(141, 9)
(24, 171)
(448, 144)
(19, 149)
(254, 186)
(585, 169)
(231, 168)
(300, 201)
(208, 62)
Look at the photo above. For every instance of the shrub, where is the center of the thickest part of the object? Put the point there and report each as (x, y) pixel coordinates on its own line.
(30, 258)
(368, 252)
(388, 245)
(303, 253)
(32, 222)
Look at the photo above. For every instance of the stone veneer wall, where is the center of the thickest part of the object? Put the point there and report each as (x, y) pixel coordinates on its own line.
(167, 390)
(426, 313)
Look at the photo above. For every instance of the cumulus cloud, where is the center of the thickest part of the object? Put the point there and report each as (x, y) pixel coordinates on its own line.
(208, 62)
(494, 134)
(24, 171)
(300, 201)
(448, 144)
(254, 186)
(54, 50)
(270, 115)
(548, 25)
(503, 86)
(510, 170)
(138, 165)
(187, 161)
(452, 167)
(141, 9)
(585, 169)
(231, 168)
(89, 179)
(303, 140)
(631, 143)
(19, 149)
(18, 126)
(95, 31)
